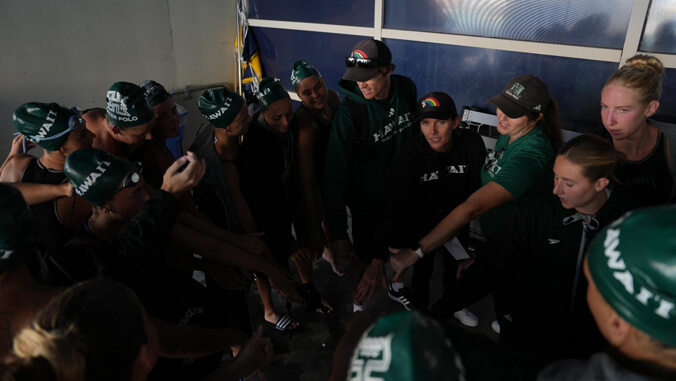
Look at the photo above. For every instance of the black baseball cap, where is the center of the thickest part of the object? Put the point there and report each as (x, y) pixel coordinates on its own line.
(525, 94)
(371, 54)
(435, 105)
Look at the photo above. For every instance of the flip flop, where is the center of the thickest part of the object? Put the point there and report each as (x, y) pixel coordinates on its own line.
(284, 324)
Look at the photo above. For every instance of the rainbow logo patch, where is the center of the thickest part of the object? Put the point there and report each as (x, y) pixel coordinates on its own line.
(430, 101)
(359, 54)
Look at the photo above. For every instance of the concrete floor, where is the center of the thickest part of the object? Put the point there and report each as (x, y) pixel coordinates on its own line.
(307, 353)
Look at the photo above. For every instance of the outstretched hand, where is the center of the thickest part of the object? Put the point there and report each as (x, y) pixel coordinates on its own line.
(403, 259)
(374, 275)
(256, 352)
(342, 248)
(462, 266)
(284, 286)
(177, 181)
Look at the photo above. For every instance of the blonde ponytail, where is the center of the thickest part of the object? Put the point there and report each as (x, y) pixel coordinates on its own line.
(67, 362)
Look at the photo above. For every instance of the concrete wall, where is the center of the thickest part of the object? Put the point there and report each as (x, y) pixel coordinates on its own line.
(70, 52)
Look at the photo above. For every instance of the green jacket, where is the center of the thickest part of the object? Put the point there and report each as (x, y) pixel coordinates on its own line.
(356, 173)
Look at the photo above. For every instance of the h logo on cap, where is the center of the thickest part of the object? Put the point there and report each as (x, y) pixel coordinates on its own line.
(516, 90)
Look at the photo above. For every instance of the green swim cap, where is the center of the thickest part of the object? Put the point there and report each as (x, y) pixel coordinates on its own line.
(97, 176)
(127, 106)
(270, 91)
(405, 346)
(154, 92)
(16, 227)
(302, 70)
(220, 106)
(633, 264)
(46, 124)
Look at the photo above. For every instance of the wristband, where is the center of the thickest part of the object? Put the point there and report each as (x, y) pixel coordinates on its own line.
(418, 250)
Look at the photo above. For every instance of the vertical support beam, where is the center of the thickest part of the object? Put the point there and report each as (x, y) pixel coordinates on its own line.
(637, 20)
(378, 19)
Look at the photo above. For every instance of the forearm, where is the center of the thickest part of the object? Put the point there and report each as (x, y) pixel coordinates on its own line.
(193, 341)
(209, 247)
(193, 222)
(448, 228)
(39, 193)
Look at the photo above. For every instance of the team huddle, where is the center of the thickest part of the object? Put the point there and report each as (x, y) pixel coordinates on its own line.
(101, 234)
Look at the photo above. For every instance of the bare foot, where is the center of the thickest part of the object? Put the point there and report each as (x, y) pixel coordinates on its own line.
(327, 255)
(325, 308)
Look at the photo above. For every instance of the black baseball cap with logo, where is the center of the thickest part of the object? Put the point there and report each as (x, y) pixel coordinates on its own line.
(365, 59)
(525, 94)
(435, 105)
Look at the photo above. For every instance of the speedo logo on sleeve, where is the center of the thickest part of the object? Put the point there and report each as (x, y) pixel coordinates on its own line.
(91, 178)
(617, 265)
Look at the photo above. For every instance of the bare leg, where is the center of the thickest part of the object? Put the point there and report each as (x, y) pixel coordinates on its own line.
(303, 261)
(271, 313)
(328, 256)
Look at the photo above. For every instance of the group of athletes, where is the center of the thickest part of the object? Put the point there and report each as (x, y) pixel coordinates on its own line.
(101, 234)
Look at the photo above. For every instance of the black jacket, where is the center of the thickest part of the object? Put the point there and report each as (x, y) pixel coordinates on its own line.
(265, 163)
(426, 185)
(535, 259)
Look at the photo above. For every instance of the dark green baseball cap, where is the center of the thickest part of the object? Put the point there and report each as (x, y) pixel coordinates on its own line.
(270, 90)
(220, 106)
(16, 227)
(405, 346)
(97, 176)
(154, 92)
(633, 265)
(302, 70)
(127, 106)
(46, 124)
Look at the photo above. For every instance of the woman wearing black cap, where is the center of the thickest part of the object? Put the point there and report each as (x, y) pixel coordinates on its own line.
(513, 171)
(436, 172)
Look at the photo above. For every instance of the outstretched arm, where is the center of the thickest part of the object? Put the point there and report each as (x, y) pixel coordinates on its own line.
(256, 353)
(39, 193)
(193, 341)
(209, 247)
(484, 199)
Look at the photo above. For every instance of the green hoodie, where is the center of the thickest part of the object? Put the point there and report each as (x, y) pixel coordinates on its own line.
(356, 173)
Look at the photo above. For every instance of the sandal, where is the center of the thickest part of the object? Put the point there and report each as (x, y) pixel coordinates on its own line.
(284, 324)
(313, 301)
